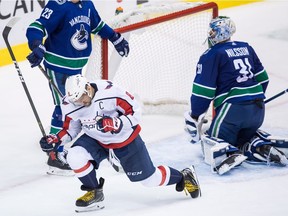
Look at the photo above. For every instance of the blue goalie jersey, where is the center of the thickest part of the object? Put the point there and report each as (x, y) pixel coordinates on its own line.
(67, 27)
(228, 72)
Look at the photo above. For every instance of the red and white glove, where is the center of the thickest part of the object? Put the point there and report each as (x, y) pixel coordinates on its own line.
(49, 143)
(109, 124)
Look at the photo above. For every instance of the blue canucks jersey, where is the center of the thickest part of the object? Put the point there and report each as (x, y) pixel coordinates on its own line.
(227, 72)
(67, 27)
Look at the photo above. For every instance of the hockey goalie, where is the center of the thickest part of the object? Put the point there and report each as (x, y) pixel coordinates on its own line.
(262, 148)
(231, 75)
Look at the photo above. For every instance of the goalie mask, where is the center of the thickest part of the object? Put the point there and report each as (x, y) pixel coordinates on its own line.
(220, 29)
(75, 87)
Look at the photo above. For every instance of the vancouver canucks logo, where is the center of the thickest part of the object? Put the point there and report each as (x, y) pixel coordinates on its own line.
(79, 39)
(60, 2)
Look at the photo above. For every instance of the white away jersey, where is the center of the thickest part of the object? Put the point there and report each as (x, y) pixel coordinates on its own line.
(109, 100)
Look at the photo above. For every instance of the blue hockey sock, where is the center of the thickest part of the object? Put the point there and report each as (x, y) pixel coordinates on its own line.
(89, 181)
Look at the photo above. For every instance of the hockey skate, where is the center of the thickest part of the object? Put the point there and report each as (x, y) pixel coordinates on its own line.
(92, 200)
(230, 162)
(273, 154)
(57, 164)
(189, 183)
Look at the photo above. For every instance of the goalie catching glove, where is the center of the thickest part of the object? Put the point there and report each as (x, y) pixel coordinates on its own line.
(194, 125)
(50, 143)
(109, 124)
(120, 44)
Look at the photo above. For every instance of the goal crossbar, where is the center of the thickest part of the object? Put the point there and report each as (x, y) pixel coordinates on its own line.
(153, 21)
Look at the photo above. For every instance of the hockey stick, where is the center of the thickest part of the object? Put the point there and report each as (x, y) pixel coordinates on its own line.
(276, 96)
(201, 120)
(50, 80)
(5, 35)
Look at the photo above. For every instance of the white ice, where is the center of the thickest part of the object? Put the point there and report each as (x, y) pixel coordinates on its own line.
(25, 189)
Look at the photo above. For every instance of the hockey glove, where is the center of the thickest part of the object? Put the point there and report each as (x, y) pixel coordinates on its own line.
(38, 52)
(109, 124)
(194, 126)
(120, 44)
(49, 143)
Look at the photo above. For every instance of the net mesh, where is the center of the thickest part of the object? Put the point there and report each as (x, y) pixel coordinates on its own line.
(161, 64)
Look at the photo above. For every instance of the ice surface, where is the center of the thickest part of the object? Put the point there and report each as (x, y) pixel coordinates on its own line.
(25, 189)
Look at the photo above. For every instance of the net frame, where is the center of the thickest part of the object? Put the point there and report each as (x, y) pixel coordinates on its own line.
(197, 9)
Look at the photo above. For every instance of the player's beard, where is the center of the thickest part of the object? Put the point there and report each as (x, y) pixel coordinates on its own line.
(86, 104)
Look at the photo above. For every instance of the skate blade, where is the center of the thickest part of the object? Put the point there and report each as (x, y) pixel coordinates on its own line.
(59, 172)
(196, 179)
(92, 207)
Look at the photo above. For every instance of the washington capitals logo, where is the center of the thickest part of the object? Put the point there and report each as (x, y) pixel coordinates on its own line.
(109, 84)
(79, 39)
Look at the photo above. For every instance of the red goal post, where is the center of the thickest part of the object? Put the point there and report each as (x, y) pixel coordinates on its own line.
(165, 42)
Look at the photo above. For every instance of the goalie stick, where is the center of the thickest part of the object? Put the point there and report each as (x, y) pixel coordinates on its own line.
(5, 35)
(276, 96)
(200, 131)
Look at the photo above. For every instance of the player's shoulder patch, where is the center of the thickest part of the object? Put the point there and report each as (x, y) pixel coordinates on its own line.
(199, 68)
(60, 2)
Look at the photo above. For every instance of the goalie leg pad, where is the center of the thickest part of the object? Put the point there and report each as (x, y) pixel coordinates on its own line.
(230, 162)
(216, 153)
(250, 149)
(262, 150)
(281, 143)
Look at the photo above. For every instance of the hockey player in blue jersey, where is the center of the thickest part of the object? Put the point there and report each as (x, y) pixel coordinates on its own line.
(231, 74)
(66, 26)
(108, 117)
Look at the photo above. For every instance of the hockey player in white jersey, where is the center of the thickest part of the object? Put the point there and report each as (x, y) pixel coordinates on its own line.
(231, 74)
(109, 118)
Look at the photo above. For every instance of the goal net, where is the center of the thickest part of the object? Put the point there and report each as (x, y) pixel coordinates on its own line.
(166, 41)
